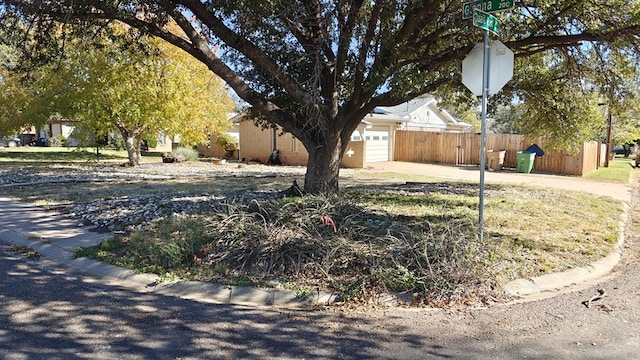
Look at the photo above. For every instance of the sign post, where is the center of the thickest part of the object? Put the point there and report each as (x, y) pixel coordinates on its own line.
(480, 10)
(483, 136)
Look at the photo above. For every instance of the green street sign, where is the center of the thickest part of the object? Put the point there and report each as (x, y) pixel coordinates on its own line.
(486, 21)
(488, 6)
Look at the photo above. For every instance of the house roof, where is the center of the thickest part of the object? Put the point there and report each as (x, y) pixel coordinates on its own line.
(235, 117)
(421, 113)
(406, 108)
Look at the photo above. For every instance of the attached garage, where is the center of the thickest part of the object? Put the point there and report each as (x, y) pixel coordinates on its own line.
(377, 141)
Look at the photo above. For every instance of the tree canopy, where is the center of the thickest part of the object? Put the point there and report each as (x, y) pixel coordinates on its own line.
(316, 68)
(569, 98)
(142, 90)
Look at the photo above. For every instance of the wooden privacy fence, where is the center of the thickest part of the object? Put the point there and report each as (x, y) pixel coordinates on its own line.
(464, 149)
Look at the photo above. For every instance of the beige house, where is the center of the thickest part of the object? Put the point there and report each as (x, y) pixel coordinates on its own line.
(213, 150)
(60, 128)
(373, 140)
(256, 144)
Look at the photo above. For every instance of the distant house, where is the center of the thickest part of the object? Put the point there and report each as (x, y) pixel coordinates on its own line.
(422, 114)
(212, 150)
(373, 140)
(58, 128)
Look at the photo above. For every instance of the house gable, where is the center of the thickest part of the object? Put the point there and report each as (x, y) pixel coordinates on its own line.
(421, 114)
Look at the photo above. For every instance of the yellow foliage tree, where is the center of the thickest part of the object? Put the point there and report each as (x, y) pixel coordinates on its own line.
(142, 88)
(197, 100)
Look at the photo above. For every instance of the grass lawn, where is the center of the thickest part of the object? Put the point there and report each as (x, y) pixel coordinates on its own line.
(418, 238)
(618, 170)
(37, 156)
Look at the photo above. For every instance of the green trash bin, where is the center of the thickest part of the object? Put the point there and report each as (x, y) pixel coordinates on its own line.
(525, 161)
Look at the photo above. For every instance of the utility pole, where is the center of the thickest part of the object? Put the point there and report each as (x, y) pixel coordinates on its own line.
(609, 125)
(609, 129)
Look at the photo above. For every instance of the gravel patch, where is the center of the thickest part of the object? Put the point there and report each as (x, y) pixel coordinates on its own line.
(150, 171)
(133, 212)
(129, 213)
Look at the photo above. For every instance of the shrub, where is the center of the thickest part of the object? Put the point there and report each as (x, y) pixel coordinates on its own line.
(188, 154)
(151, 141)
(58, 140)
(227, 142)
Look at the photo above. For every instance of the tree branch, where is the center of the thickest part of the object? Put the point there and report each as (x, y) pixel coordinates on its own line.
(365, 45)
(533, 44)
(245, 47)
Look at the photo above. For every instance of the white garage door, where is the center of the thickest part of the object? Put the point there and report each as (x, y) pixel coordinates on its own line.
(377, 144)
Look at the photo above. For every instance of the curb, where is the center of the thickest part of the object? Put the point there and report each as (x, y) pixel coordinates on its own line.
(55, 244)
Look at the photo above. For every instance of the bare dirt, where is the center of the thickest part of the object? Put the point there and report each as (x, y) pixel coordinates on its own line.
(472, 173)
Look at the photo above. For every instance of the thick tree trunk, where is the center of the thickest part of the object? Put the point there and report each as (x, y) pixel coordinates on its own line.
(323, 167)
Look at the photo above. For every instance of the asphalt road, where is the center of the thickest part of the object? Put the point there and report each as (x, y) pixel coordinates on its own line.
(48, 312)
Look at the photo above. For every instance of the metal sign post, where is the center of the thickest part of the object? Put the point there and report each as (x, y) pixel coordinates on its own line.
(488, 23)
(483, 124)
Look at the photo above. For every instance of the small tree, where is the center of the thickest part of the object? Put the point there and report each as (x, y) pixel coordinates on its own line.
(139, 90)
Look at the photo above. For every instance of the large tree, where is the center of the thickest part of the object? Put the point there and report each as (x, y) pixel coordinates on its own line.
(12, 94)
(317, 67)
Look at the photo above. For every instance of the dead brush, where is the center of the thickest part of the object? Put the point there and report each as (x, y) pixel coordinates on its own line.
(417, 239)
(369, 252)
(275, 240)
(450, 265)
(377, 247)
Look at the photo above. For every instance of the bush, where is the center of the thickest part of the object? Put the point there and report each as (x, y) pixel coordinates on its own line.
(151, 141)
(187, 154)
(227, 142)
(58, 140)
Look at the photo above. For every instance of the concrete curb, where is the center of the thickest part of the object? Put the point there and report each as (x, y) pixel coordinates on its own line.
(199, 291)
(58, 243)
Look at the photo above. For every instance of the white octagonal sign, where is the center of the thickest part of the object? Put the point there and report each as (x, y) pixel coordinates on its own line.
(500, 68)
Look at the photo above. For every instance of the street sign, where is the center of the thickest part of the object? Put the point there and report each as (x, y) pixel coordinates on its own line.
(486, 21)
(500, 68)
(488, 6)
